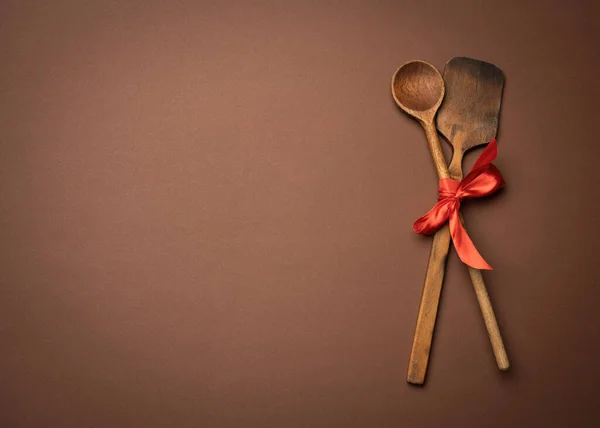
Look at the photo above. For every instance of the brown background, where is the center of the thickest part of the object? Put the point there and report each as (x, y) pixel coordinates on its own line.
(206, 210)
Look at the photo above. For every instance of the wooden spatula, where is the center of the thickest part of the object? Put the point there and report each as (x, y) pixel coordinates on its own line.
(468, 117)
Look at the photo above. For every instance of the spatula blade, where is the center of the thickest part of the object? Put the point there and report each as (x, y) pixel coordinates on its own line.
(471, 107)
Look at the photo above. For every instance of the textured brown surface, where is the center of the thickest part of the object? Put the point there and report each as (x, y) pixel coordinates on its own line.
(206, 210)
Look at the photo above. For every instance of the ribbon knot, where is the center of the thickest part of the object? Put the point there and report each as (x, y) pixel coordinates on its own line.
(483, 179)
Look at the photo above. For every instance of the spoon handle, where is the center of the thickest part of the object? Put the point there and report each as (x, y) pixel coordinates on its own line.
(419, 355)
(439, 161)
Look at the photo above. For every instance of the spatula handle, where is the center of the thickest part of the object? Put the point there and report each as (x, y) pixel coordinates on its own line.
(489, 318)
(483, 298)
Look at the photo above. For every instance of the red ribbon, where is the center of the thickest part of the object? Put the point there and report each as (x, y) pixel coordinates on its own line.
(484, 179)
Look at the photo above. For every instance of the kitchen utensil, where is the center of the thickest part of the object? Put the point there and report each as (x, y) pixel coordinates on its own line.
(468, 117)
(418, 89)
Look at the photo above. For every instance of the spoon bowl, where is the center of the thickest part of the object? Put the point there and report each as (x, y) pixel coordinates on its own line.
(418, 89)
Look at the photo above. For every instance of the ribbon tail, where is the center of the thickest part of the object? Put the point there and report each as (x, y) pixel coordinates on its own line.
(465, 248)
(433, 220)
(487, 156)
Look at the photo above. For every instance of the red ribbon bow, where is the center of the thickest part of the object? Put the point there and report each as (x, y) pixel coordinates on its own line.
(484, 179)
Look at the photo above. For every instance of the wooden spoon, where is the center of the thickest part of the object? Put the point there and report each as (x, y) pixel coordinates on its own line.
(418, 89)
(468, 118)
